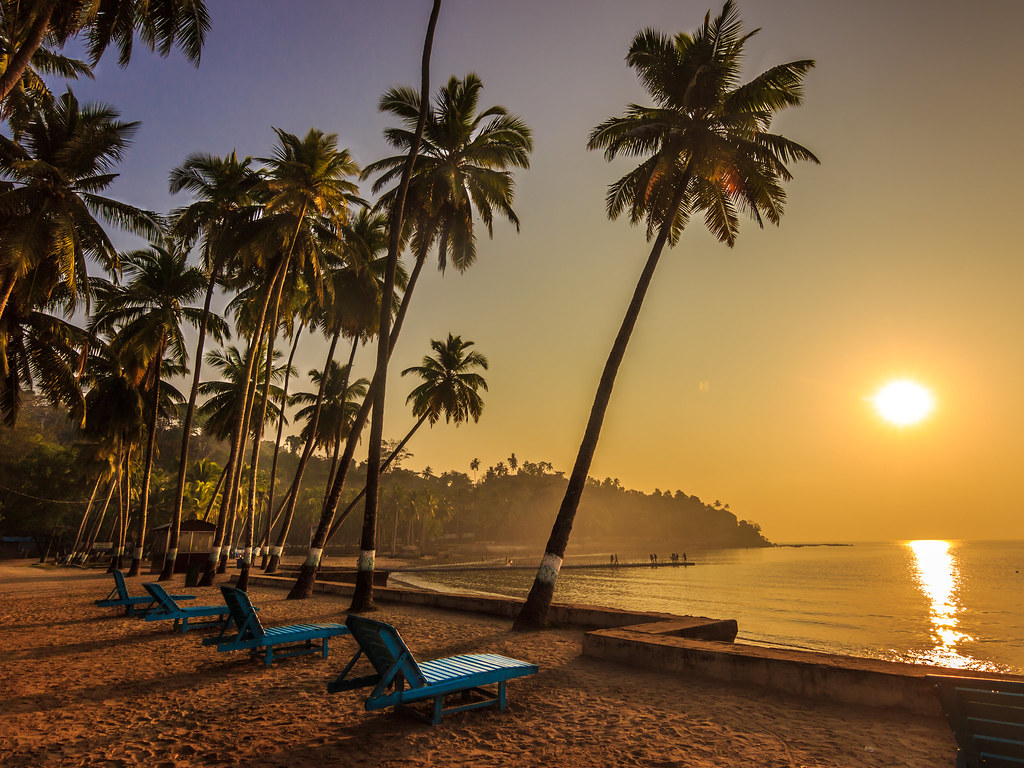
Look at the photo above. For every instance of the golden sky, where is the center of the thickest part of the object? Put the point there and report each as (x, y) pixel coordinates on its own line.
(749, 371)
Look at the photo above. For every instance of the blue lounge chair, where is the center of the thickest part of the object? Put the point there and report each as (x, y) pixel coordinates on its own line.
(432, 680)
(167, 608)
(141, 605)
(987, 719)
(295, 639)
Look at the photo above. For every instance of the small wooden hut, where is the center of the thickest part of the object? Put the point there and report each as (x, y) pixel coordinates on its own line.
(195, 542)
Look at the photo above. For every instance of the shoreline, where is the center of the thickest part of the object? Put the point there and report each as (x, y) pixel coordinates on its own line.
(89, 687)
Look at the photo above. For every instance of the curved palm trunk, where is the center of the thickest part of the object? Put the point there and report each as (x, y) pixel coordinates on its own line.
(341, 427)
(210, 569)
(91, 541)
(239, 433)
(250, 524)
(362, 596)
(533, 614)
(303, 586)
(292, 497)
(21, 58)
(186, 433)
(265, 544)
(85, 516)
(147, 474)
(383, 468)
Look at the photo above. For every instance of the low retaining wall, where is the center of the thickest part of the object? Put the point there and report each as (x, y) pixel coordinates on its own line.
(588, 616)
(845, 679)
(693, 645)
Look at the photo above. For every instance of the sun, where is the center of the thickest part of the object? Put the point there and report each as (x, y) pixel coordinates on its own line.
(903, 402)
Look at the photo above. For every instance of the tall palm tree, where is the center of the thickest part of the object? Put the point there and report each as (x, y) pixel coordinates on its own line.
(145, 317)
(225, 192)
(708, 148)
(351, 308)
(462, 173)
(450, 387)
(161, 26)
(307, 195)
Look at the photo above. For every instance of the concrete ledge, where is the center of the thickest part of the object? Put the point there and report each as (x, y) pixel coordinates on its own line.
(844, 679)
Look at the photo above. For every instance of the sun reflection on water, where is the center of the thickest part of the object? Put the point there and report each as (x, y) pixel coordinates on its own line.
(938, 577)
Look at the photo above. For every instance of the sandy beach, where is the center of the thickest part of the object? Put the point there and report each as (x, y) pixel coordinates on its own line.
(84, 686)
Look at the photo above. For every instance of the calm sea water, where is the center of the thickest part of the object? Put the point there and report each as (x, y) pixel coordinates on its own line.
(951, 603)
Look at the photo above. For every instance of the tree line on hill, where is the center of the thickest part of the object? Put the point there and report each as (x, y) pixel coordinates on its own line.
(497, 509)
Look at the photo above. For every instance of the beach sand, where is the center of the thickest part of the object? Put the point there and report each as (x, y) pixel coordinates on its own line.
(85, 686)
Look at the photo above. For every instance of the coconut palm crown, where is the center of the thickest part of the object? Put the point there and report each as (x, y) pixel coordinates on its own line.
(461, 166)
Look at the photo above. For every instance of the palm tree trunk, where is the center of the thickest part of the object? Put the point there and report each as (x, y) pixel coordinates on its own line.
(292, 497)
(239, 433)
(8, 289)
(363, 596)
(147, 472)
(383, 468)
(359, 422)
(21, 58)
(99, 524)
(174, 532)
(119, 523)
(85, 516)
(341, 427)
(210, 569)
(277, 452)
(533, 614)
(250, 525)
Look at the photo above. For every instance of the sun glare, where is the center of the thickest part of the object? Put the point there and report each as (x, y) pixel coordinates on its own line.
(903, 402)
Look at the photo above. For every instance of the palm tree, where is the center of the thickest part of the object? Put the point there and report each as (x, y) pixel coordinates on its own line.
(708, 149)
(474, 467)
(226, 192)
(462, 167)
(161, 26)
(451, 387)
(50, 195)
(31, 92)
(307, 198)
(461, 172)
(339, 405)
(145, 317)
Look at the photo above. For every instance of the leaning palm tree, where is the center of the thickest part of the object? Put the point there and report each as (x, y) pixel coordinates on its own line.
(708, 149)
(225, 192)
(144, 317)
(451, 387)
(161, 26)
(463, 173)
(308, 196)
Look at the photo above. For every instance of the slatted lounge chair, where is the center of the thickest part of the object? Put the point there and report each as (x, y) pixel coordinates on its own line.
(167, 608)
(987, 718)
(294, 640)
(430, 681)
(139, 605)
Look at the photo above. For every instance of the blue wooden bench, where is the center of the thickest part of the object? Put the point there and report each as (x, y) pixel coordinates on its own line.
(987, 718)
(294, 640)
(139, 605)
(201, 616)
(431, 681)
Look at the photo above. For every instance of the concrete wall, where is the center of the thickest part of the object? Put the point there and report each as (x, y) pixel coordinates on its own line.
(566, 615)
(803, 673)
